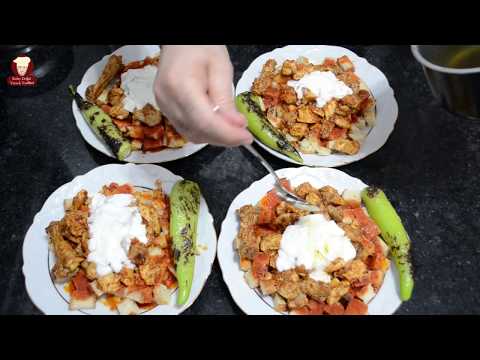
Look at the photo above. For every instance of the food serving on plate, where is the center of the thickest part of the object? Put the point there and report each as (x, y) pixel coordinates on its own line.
(328, 262)
(123, 95)
(314, 108)
(127, 247)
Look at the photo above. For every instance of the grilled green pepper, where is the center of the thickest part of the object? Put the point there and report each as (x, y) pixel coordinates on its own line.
(184, 210)
(383, 213)
(251, 106)
(103, 126)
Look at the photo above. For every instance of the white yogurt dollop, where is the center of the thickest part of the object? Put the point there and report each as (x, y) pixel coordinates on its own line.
(137, 85)
(314, 242)
(324, 84)
(113, 223)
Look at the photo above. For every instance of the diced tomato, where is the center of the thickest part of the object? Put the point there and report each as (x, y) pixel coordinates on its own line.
(356, 307)
(271, 97)
(136, 132)
(329, 62)
(260, 265)
(268, 205)
(353, 118)
(122, 124)
(151, 144)
(81, 286)
(106, 108)
(154, 132)
(337, 133)
(171, 282)
(114, 188)
(264, 230)
(286, 184)
(316, 308)
(334, 309)
(369, 229)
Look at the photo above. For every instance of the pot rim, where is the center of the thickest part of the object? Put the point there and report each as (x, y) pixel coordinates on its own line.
(419, 57)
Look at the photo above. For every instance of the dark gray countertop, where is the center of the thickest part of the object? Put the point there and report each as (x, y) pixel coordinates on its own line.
(429, 168)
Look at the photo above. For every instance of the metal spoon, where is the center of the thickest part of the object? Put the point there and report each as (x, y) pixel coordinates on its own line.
(286, 195)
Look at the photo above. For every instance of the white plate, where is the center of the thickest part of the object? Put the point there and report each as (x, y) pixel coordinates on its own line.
(38, 260)
(387, 108)
(129, 53)
(385, 302)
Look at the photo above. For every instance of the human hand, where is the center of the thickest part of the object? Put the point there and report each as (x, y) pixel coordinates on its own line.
(191, 82)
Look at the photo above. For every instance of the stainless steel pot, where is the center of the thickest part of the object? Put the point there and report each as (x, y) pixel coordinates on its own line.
(457, 89)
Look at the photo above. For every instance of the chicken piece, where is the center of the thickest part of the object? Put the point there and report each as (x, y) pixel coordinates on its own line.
(286, 208)
(337, 290)
(331, 196)
(151, 116)
(315, 289)
(115, 96)
(268, 287)
(273, 260)
(345, 63)
(302, 68)
(342, 122)
(288, 95)
(345, 146)
(109, 283)
(90, 269)
(118, 112)
(245, 264)
(305, 115)
(247, 242)
(304, 189)
(336, 212)
(376, 278)
(352, 101)
(289, 115)
(286, 219)
(112, 69)
(274, 116)
(138, 252)
(289, 289)
(127, 277)
(299, 130)
(299, 301)
(308, 96)
(270, 242)
(335, 265)
(67, 260)
(354, 270)
(350, 79)
(329, 109)
(287, 276)
(96, 289)
(264, 81)
(154, 270)
(280, 79)
(173, 139)
(288, 67)
(317, 111)
(314, 199)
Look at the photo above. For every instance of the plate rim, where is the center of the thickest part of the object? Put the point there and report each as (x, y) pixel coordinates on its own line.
(338, 162)
(25, 268)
